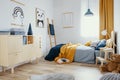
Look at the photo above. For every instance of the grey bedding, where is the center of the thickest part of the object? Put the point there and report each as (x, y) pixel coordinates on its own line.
(85, 54)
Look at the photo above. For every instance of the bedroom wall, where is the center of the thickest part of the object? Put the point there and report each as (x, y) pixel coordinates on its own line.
(73, 35)
(117, 22)
(29, 12)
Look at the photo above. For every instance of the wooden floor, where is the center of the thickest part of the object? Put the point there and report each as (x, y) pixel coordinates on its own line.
(79, 70)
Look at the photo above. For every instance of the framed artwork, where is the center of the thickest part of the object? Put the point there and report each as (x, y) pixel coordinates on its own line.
(40, 17)
(68, 20)
(17, 13)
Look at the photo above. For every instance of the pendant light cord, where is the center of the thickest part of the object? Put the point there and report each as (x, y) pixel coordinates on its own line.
(88, 4)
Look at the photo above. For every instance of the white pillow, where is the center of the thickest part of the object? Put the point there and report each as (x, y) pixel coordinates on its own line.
(94, 43)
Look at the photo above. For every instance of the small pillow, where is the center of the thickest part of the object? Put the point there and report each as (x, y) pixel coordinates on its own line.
(109, 43)
(102, 43)
(94, 43)
(88, 43)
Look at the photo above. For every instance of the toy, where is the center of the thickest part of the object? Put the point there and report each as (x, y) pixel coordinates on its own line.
(113, 64)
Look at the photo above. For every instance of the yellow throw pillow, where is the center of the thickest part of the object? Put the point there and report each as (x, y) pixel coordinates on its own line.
(88, 43)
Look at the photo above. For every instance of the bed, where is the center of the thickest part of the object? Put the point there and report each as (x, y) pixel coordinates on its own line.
(83, 54)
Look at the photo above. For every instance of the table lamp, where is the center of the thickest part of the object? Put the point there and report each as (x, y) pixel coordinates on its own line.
(104, 33)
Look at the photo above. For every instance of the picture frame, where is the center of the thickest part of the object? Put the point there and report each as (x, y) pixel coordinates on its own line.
(40, 17)
(68, 20)
(17, 13)
(17, 16)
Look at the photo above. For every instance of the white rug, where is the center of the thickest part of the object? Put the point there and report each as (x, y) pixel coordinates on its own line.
(52, 76)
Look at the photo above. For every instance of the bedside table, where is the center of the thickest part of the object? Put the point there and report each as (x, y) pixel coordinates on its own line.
(106, 55)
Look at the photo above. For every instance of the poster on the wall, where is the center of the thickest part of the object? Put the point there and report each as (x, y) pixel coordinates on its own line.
(68, 19)
(40, 17)
(17, 13)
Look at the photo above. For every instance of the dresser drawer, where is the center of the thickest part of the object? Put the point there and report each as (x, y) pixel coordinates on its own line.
(15, 58)
(15, 44)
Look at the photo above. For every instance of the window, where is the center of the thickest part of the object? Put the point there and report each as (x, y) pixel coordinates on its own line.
(90, 24)
(90, 27)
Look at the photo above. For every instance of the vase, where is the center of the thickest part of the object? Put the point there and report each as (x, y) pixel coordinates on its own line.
(30, 30)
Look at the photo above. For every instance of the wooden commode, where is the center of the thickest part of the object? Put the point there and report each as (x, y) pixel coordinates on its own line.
(13, 51)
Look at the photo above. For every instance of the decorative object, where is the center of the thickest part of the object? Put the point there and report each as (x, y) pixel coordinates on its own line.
(17, 13)
(30, 30)
(110, 76)
(17, 31)
(24, 40)
(52, 76)
(68, 20)
(104, 33)
(40, 17)
(89, 12)
(112, 64)
(52, 31)
(18, 16)
(29, 39)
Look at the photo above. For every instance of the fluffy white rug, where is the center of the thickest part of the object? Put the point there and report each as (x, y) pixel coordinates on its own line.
(52, 76)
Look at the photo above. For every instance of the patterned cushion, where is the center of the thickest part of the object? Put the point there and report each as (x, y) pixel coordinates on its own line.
(111, 76)
(102, 43)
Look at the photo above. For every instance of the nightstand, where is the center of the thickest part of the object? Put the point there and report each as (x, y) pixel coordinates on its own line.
(106, 55)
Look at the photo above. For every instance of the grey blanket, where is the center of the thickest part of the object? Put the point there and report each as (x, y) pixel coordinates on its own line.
(84, 54)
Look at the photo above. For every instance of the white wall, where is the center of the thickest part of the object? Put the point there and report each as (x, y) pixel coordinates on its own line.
(29, 12)
(72, 34)
(117, 22)
(64, 35)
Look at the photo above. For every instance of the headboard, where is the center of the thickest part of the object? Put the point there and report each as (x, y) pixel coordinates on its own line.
(113, 36)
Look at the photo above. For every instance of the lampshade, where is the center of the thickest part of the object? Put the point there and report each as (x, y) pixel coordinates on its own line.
(104, 32)
(89, 12)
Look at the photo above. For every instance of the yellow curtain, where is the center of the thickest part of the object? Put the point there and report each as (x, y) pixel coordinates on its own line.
(106, 17)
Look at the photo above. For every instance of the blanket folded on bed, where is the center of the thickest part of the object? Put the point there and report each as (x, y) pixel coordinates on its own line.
(54, 52)
(67, 53)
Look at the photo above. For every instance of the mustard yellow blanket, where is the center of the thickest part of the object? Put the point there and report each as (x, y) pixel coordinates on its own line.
(67, 52)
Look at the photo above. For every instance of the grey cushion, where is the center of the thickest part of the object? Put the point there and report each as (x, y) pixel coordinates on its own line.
(111, 76)
(53, 76)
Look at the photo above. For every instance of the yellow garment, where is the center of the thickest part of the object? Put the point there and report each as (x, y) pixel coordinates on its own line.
(88, 43)
(67, 51)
